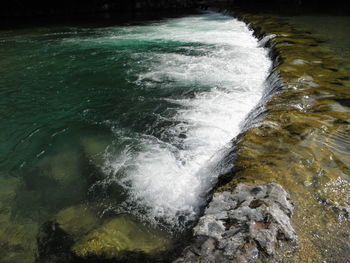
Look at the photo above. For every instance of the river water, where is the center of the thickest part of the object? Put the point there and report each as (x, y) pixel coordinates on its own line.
(132, 119)
(333, 30)
(126, 128)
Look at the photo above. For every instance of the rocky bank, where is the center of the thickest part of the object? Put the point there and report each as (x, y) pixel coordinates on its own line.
(244, 225)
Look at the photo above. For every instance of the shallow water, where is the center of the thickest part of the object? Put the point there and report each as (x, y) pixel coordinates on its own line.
(331, 29)
(131, 119)
(298, 137)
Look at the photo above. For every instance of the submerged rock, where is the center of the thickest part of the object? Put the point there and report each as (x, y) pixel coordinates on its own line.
(94, 148)
(79, 234)
(8, 188)
(119, 236)
(77, 220)
(335, 194)
(57, 181)
(17, 240)
(64, 168)
(17, 235)
(57, 236)
(245, 225)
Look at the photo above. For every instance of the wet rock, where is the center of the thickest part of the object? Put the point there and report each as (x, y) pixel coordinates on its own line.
(94, 148)
(245, 225)
(53, 244)
(8, 188)
(57, 236)
(55, 182)
(335, 194)
(119, 236)
(17, 236)
(64, 168)
(77, 220)
(299, 150)
(17, 240)
(79, 234)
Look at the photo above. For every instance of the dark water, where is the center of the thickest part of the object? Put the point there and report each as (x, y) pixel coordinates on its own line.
(121, 119)
(334, 30)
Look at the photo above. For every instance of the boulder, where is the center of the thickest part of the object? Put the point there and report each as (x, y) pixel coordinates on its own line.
(57, 236)
(244, 225)
(121, 235)
(77, 220)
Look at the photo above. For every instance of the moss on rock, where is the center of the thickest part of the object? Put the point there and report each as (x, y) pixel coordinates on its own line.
(94, 148)
(17, 235)
(77, 220)
(301, 140)
(120, 235)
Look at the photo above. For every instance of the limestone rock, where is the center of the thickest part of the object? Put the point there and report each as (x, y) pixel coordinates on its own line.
(242, 226)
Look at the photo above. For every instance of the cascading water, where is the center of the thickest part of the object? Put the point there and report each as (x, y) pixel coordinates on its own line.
(105, 120)
(207, 72)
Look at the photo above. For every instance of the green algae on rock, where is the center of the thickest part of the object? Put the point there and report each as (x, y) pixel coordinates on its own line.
(8, 188)
(94, 148)
(17, 235)
(17, 239)
(80, 233)
(78, 220)
(121, 235)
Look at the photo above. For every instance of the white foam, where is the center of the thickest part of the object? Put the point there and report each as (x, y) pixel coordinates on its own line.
(169, 177)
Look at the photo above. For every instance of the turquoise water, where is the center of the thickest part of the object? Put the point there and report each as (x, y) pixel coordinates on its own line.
(135, 119)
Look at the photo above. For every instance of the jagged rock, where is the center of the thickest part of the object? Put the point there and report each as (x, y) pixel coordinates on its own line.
(242, 226)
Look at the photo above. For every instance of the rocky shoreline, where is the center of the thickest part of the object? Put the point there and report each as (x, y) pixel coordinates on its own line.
(283, 142)
(244, 225)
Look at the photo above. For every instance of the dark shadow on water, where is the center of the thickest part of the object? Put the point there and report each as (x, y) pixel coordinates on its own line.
(96, 20)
